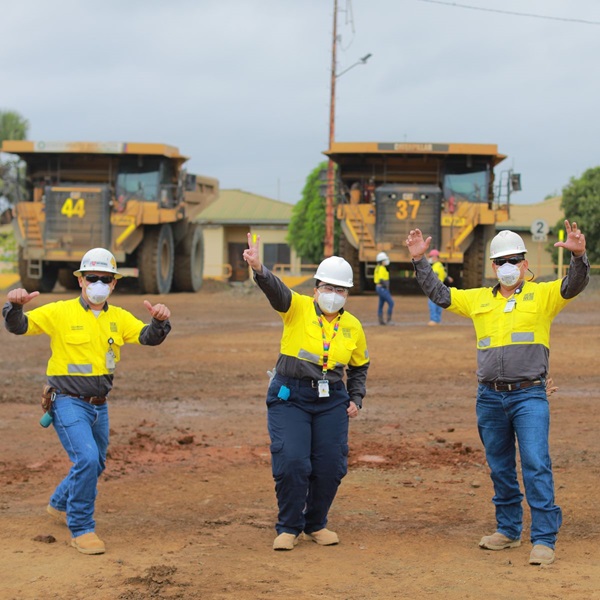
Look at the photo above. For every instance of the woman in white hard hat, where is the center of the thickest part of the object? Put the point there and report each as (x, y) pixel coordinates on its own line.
(86, 336)
(381, 277)
(512, 323)
(308, 405)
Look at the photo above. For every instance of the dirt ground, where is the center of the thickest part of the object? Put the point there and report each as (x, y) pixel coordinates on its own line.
(187, 508)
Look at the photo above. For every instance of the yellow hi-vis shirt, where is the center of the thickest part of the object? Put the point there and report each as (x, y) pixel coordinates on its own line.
(513, 334)
(302, 336)
(381, 275)
(79, 340)
(438, 268)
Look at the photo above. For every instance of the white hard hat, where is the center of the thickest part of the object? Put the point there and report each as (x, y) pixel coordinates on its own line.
(507, 243)
(98, 259)
(335, 270)
(382, 256)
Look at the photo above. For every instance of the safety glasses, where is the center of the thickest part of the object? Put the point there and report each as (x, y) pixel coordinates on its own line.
(328, 289)
(513, 260)
(103, 278)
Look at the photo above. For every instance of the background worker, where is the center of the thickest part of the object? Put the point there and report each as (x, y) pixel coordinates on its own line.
(382, 287)
(512, 323)
(437, 266)
(308, 405)
(86, 335)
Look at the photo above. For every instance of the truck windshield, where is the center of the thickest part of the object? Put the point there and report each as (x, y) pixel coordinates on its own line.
(139, 178)
(472, 187)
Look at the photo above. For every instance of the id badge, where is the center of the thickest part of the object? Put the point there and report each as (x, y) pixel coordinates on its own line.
(110, 360)
(323, 388)
(510, 305)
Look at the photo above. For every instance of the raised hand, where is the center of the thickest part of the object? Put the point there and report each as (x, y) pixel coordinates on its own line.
(159, 311)
(251, 255)
(20, 296)
(575, 241)
(416, 244)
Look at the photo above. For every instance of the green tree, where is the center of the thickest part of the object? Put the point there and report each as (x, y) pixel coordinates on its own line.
(307, 226)
(12, 126)
(581, 203)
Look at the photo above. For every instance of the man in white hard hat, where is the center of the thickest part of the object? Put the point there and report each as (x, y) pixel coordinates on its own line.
(86, 335)
(381, 277)
(512, 322)
(308, 405)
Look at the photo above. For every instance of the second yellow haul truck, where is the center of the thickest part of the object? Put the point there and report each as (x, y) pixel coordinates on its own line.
(446, 190)
(134, 199)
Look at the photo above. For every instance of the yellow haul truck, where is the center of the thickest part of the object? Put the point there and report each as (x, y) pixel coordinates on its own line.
(134, 199)
(446, 190)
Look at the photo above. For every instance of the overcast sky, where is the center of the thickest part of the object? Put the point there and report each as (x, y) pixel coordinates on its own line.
(242, 87)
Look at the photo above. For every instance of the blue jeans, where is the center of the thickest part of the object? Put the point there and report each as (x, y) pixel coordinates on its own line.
(83, 431)
(523, 415)
(435, 312)
(309, 452)
(385, 297)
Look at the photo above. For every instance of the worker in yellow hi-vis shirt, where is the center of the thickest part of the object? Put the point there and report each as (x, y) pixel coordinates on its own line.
(381, 277)
(308, 405)
(512, 323)
(86, 335)
(437, 266)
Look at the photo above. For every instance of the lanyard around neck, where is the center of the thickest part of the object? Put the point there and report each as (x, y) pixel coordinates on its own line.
(326, 342)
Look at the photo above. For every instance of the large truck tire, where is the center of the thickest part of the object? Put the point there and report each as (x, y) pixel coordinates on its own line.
(474, 261)
(45, 284)
(189, 261)
(156, 258)
(350, 253)
(67, 279)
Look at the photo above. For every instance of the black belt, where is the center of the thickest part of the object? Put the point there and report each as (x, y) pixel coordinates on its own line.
(500, 386)
(95, 400)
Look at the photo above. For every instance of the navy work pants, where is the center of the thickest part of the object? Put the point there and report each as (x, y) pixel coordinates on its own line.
(309, 451)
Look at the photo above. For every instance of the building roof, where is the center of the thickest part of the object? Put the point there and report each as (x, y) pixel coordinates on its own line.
(236, 207)
(523, 215)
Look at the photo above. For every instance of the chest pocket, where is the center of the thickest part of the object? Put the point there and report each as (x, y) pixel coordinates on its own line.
(525, 323)
(78, 349)
(77, 339)
(486, 325)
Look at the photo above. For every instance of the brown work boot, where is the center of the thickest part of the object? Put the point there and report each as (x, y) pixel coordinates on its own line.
(88, 543)
(541, 555)
(498, 541)
(285, 541)
(58, 515)
(324, 537)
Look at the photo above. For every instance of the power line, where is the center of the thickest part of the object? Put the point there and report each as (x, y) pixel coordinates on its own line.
(509, 12)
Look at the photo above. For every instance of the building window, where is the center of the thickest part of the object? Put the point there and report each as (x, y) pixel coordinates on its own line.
(276, 254)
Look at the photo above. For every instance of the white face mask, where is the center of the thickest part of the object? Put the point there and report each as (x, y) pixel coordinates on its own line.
(97, 292)
(330, 303)
(508, 274)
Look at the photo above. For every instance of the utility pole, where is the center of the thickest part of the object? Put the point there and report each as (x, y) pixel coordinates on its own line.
(328, 243)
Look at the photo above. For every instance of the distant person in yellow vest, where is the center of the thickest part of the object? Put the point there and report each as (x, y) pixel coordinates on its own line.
(382, 287)
(437, 266)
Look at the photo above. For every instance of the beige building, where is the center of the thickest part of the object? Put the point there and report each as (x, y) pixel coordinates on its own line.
(226, 223)
(542, 216)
